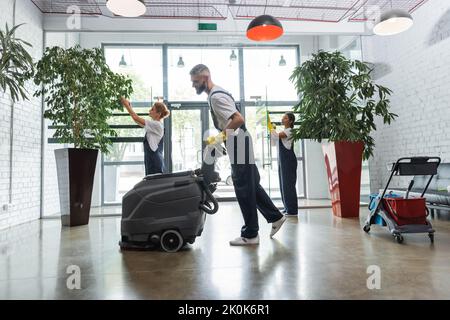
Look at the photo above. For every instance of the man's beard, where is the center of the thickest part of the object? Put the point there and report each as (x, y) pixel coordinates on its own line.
(201, 88)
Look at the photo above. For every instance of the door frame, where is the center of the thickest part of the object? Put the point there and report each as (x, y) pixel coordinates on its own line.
(183, 105)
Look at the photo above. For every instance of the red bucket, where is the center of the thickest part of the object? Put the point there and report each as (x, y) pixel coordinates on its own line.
(407, 211)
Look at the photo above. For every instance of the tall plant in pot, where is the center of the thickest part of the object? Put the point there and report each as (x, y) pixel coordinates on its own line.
(339, 103)
(81, 92)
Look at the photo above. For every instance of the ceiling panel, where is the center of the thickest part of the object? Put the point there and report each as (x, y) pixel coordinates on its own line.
(301, 10)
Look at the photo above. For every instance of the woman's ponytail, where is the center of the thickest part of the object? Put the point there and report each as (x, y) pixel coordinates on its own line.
(162, 109)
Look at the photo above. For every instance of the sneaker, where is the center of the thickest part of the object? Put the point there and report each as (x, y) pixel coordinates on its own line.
(291, 214)
(277, 225)
(241, 241)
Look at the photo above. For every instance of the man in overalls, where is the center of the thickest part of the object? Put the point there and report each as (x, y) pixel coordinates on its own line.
(249, 193)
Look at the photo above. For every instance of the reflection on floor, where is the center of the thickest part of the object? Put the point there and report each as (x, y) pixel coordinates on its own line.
(314, 256)
(302, 204)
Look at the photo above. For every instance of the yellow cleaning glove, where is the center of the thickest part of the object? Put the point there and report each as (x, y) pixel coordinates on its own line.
(221, 137)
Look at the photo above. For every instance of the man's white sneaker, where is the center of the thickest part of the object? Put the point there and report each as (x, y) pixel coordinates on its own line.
(277, 225)
(241, 241)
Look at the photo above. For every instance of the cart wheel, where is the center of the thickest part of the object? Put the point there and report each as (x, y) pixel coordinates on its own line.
(366, 228)
(431, 235)
(399, 238)
(171, 241)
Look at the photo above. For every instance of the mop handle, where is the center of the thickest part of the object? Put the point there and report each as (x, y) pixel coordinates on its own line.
(409, 189)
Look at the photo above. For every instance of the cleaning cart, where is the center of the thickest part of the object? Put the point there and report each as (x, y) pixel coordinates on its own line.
(403, 214)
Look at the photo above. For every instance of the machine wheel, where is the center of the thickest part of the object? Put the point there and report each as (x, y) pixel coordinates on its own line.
(366, 228)
(431, 235)
(171, 241)
(399, 238)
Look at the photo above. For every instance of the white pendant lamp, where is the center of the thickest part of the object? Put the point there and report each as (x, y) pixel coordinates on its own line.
(393, 22)
(127, 8)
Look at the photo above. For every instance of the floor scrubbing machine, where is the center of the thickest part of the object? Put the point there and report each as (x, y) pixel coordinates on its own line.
(168, 210)
(403, 214)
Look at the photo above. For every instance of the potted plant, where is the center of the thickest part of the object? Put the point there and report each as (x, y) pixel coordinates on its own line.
(16, 64)
(80, 92)
(339, 103)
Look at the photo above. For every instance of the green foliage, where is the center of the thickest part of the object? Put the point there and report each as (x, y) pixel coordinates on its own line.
(339, 100)
(81, 93)
(16, 64)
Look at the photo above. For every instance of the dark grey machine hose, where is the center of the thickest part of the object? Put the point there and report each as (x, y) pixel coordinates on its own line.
(205, 206)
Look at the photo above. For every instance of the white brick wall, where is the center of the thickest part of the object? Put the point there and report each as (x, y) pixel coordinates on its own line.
(26, 173)
(415, 65)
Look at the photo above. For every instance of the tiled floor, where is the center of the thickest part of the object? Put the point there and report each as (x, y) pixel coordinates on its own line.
(314, 256)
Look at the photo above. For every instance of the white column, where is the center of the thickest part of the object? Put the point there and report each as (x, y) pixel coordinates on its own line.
(316, 174)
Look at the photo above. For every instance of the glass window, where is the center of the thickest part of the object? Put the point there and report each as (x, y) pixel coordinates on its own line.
(142, 65)
(126, 151)
(266, 76)
(224, 71)
(119, 179)
(266, 155)
(186, 139)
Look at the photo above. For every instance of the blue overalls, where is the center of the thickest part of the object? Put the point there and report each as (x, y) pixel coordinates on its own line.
(287, 173)
(249, 193)
(154, 161)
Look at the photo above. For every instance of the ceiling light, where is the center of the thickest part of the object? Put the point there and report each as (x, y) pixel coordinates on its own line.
(233, 56)
(127, 8)
(180, 63)
(393, 22)
(282, 62)
(122, 62)
(264, 28)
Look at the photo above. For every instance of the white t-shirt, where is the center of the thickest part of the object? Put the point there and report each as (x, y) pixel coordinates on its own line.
(154, 131)
(223, 106)
(287, 142)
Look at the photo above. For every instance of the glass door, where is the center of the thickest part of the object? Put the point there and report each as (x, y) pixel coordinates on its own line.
(265, 154)
(186, 138)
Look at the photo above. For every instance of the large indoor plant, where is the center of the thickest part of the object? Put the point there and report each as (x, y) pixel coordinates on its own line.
(16, 64)
(339, 103)
(81, 93)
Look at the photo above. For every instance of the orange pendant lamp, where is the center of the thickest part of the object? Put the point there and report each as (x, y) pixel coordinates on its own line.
(264, 28)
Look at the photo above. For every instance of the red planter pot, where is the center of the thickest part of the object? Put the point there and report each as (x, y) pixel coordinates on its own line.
(343, 161)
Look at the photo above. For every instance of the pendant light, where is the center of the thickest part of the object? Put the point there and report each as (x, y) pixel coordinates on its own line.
(282, 62)
(180, 63)
(264, 28)
(393, 22)
(233, 56)
(122, 62)
(127, 8)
